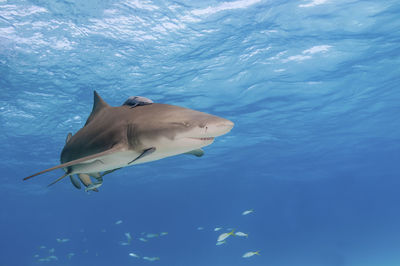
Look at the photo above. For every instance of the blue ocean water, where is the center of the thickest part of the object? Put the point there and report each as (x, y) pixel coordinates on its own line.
(313, 89)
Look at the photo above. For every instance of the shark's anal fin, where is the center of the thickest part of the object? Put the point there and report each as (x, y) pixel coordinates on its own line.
(77, 161)
(197, 153)
(144, 153)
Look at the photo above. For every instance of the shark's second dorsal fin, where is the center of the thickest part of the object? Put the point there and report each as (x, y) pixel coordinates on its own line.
(98, 104)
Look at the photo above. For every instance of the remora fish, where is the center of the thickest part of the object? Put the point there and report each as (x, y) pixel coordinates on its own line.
(137, 132)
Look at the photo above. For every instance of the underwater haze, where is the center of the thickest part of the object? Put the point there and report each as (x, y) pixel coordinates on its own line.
(313, 87)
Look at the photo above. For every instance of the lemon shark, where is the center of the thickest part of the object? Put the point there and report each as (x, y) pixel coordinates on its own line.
(137, 132)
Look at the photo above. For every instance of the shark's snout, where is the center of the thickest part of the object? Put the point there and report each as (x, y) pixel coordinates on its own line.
(217, 127)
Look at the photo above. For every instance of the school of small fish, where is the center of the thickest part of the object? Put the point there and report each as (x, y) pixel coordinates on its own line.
(48, 254)
(222, 238)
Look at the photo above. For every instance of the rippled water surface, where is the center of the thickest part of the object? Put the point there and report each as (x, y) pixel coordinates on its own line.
(313, 89)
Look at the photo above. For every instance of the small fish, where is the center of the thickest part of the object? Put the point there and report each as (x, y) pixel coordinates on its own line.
(42, 247)
(216, 229)
(247, 212)
(52, 257)
(36, 256)
(62, 240)
(128, 237)
(118, 222)
(151, 258)
(224, 236)
(49, 258)
(143, 239)
(163, 233)
(200, 228)
(134, 255)
(250, 254)
(93, 186)
(219, 243)
(151, 235)
(70, 255)
(51, 250)
(241, 234)
(124, 243)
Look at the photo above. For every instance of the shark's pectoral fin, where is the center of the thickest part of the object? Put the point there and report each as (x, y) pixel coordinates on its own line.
(77, 161)
(144, 153)
(197, 153)
(75, 182)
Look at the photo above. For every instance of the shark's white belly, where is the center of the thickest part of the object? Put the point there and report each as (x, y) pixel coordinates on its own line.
(123, 159)
(105, 163)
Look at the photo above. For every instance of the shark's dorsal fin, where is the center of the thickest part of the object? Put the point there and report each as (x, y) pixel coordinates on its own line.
(98, 104)
(77, 161)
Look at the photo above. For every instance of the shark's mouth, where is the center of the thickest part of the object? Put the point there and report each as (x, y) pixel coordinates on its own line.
(209, 138)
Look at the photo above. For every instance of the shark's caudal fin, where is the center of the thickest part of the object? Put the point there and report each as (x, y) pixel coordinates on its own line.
(74, 162)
